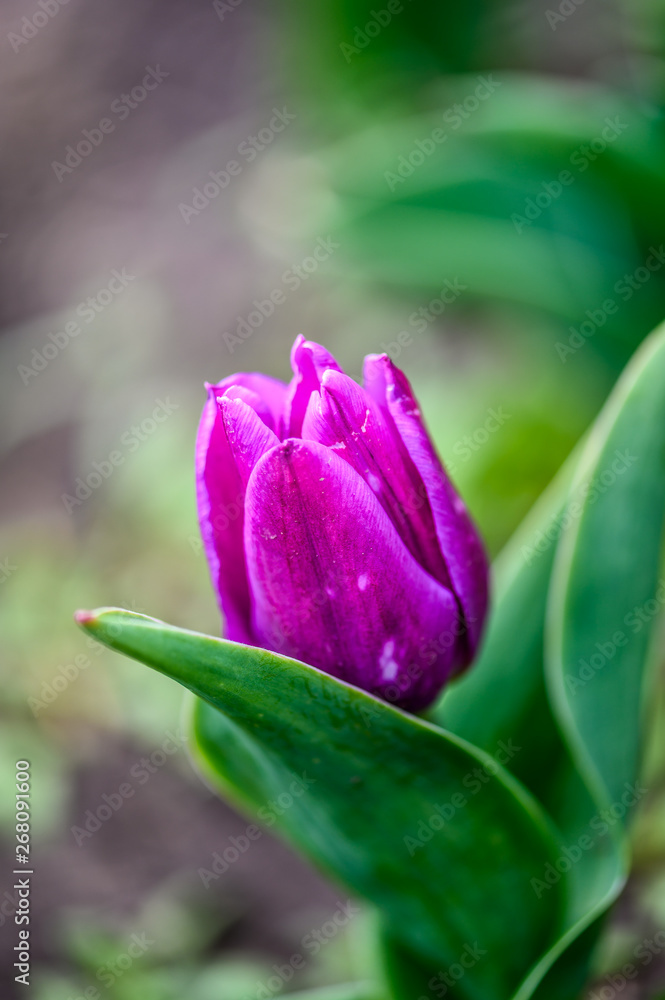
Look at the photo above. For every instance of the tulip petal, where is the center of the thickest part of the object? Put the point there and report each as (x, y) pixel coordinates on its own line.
(265, 394)
(219, 495)
(344, 417)
(234, 433)
(460, 543)
(248, 436)
(252, 399)
(309, 362)
(333, 584)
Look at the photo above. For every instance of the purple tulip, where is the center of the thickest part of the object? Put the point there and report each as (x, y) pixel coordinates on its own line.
(332, 531)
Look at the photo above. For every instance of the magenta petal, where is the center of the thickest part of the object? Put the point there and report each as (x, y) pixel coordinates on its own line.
(345, 418)
(232, 438)
(309, 362)
(219, 494)
(460, 543)
(248, 436)
(333, 584)
(265, 394)
(252, 399)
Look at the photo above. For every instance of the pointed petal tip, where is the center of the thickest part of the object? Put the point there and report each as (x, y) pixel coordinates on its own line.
(379, 370)
(304, 351)
(223, 402)
(295, 349)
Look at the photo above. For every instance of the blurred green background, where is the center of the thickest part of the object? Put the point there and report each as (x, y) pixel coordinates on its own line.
(487, 182)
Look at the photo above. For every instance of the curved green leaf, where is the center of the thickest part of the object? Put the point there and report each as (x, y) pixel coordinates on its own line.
(600, 616)
(426, 826)
(606, 565)
(602, 599)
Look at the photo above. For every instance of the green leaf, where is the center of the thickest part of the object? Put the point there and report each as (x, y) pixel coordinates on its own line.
(605, 564)
(602, 604)
(600, 621)
(374, 776)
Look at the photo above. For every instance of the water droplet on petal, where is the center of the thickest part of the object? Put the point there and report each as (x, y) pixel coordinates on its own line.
(389, 666)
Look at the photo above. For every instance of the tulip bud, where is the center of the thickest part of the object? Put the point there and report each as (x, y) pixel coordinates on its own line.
(332, 531)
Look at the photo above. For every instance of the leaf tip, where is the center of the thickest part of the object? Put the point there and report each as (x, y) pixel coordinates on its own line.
(84, 618)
